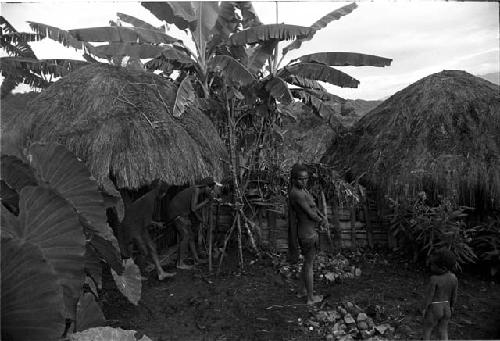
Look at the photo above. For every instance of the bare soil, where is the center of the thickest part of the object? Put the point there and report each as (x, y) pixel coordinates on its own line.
(260, 304)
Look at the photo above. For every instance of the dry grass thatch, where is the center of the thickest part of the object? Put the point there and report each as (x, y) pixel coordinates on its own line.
(120, 122)
(440, 134)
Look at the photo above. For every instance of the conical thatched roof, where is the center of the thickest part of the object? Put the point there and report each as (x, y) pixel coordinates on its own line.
(440, 134)
(120, 122)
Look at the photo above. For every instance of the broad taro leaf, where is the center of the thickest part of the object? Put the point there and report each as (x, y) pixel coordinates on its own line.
(121, 34)
(233, 70)
(32, 299)
(112, 198)
(50, 222)
(88, 313)
(71, 179)
(107, 334)
(185, 97)
(9, 223)
(278, 88)
(93, 265)
(321, 23)
(9, 197)
(107, 252)
(345, 59)
(181, 14)
(263, 33)
(320, 72)
(16, 173)
(129, 283)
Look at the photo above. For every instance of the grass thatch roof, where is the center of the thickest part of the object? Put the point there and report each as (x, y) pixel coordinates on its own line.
(440, 134)
(120, 122)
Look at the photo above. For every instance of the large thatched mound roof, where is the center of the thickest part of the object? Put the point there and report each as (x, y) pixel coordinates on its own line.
(120, 122)
(440, 134)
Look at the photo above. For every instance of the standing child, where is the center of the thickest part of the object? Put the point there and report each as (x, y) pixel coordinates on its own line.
(441, 294)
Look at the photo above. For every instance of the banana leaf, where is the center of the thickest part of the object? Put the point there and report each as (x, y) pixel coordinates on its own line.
(345, 59)
(323, 73)
(263, 33)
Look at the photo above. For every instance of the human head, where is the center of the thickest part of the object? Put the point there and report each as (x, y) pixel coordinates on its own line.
(442, 260)
(207, 184)
(299, 175)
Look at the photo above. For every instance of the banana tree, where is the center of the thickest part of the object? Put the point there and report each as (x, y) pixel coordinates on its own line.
(301, 77)
(21, 66)
(209, 25)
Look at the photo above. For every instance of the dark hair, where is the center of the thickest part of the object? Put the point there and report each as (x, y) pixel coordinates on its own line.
(444, 258)
(296, 169)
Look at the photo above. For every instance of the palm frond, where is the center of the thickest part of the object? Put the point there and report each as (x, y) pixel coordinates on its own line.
(321, 23)
(278, 88)
(231, 69)
(345, 59)
(263, 33)
(137, 22)
(185, 97)
(121, 34)
(181, 14)
(321, 72)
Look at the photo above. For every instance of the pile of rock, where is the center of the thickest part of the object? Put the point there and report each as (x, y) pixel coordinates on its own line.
(346, 322)
(331, 268)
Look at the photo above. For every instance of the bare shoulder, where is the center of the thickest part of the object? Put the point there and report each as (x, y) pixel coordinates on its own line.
(296, 194)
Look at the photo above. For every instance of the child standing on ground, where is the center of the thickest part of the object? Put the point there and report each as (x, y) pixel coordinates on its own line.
(441, 293)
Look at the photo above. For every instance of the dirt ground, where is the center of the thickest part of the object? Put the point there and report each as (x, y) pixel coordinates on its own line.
(260, 304)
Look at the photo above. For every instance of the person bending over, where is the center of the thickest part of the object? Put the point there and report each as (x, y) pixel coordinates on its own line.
(183, 210)
(134, 226)
(308, 219)
(441, 293)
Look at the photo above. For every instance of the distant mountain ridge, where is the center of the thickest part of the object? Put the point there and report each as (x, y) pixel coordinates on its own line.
(493, 77)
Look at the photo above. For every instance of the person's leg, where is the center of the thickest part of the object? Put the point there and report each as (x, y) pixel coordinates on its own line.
(432, 316)
(443, 322)
(182, 229)
(154, 255)
(309, 274)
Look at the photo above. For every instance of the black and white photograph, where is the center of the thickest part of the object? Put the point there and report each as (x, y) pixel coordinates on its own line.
(255, 171)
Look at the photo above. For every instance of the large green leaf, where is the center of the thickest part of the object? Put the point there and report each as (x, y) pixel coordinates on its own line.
(304, 82)
(16, 44)
(233, 70)
(321, 23)
(134, 50)
(263, 33)
(320, 106)
(345, 59)
(9, 197)
(321, 72)
(206, 13)
(322, 95)
(137, 22)
(129, 283)
(32, 302)
(54, 67)
(121, 34)
(16, 173)
(93, 265)
(259, 55)
(185, 97)
(49, 221)
(278, 88)
(181, 14)
(71, 179)
(107, 334)
(62, 36)
(88, 313)
(171, 57)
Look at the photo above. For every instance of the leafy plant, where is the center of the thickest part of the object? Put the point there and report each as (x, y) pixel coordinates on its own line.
(486, 243)
(421, 228)
(57, 218)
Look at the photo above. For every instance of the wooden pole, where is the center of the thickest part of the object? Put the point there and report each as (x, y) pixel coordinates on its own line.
(353, 224)
(369, 230)
(325, 213)
(210, 236)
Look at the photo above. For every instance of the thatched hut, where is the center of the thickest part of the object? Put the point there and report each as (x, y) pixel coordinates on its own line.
(440, 134)
(120, 122)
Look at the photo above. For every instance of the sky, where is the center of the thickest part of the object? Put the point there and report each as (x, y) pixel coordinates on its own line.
(421, 37)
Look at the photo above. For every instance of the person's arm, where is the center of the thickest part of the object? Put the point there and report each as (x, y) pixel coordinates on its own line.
(453, 297)
(301, 201)
(429, 294)
(194, 206)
